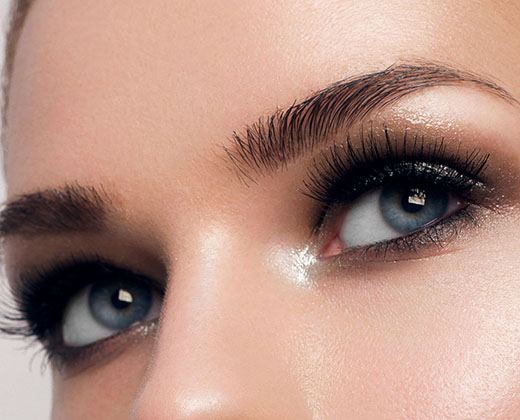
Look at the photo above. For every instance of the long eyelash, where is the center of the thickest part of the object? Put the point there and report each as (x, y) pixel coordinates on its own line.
(26, 315)
(15, 323)
(42, 296)
(344, 171)
(38, 305)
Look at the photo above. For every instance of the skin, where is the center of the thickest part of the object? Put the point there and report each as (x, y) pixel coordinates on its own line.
(140, 97)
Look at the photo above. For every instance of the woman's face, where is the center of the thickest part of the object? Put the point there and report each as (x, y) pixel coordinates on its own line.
(354, 257)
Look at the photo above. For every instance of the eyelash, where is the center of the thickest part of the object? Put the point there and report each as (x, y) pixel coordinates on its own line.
(338, 176)
(343, 172)
(39, 307)
(437, 234)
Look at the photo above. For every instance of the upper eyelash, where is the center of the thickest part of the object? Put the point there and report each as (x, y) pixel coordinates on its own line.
(22, 320)
(29, 318)
(343, 171)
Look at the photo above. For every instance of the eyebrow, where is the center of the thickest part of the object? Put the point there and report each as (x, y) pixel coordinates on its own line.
(71, 208)
(268, 144)
(281, 138)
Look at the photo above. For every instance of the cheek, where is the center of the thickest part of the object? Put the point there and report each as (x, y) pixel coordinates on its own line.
(423, 340)
(105, 391)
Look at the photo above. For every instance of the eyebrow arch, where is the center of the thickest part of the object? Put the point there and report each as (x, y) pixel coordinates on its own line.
(71, 208)
(274, 141)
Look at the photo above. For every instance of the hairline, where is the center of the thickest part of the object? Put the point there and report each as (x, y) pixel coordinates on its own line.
(16, 18)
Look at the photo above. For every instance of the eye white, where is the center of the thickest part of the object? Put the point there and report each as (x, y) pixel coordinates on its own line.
(364, 223)
(80, 327)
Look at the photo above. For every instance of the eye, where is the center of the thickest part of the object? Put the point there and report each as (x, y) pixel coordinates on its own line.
(394, 211)
(105, 308)
(388, 197)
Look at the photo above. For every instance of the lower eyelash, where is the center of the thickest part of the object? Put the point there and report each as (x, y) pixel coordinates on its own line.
(439, 234)
(75, 359)
(36, 310)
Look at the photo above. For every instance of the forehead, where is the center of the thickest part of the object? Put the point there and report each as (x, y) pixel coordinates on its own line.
(118, 88)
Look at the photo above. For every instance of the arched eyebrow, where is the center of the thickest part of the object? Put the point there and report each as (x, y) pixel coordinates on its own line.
(67, 209)
(274, 141)
(270, 143)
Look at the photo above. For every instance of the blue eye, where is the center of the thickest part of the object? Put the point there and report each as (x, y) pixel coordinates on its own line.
(409, 209)
(119, 304)
(103, 309)
(394, 211)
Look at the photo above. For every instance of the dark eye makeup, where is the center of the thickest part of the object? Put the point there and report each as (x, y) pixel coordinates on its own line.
(401, 166)
(117, 300)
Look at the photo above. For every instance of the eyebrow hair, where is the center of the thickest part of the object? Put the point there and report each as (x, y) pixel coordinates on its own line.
(72, 208)
(268, 144)
(275, 141)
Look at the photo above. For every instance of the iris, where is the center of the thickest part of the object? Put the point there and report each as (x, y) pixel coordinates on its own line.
(118, 304)
(407, 209)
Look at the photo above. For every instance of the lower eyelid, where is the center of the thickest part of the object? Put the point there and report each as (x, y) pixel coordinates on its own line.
(368, 207)
(435, 239)
(42, 301)
(73, 360)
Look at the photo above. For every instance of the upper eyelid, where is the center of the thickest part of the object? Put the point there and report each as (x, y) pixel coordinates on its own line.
(341, 160)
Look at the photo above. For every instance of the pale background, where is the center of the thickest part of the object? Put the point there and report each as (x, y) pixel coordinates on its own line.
(24, 391)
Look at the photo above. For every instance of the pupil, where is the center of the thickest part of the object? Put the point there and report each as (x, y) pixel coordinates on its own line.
(414, 200)
(121, 299)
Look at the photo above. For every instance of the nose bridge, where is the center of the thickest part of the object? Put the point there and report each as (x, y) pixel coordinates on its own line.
(219, 352)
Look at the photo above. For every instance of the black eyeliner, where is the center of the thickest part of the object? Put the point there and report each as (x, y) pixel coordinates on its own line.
(344, 171)
(42, 295)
